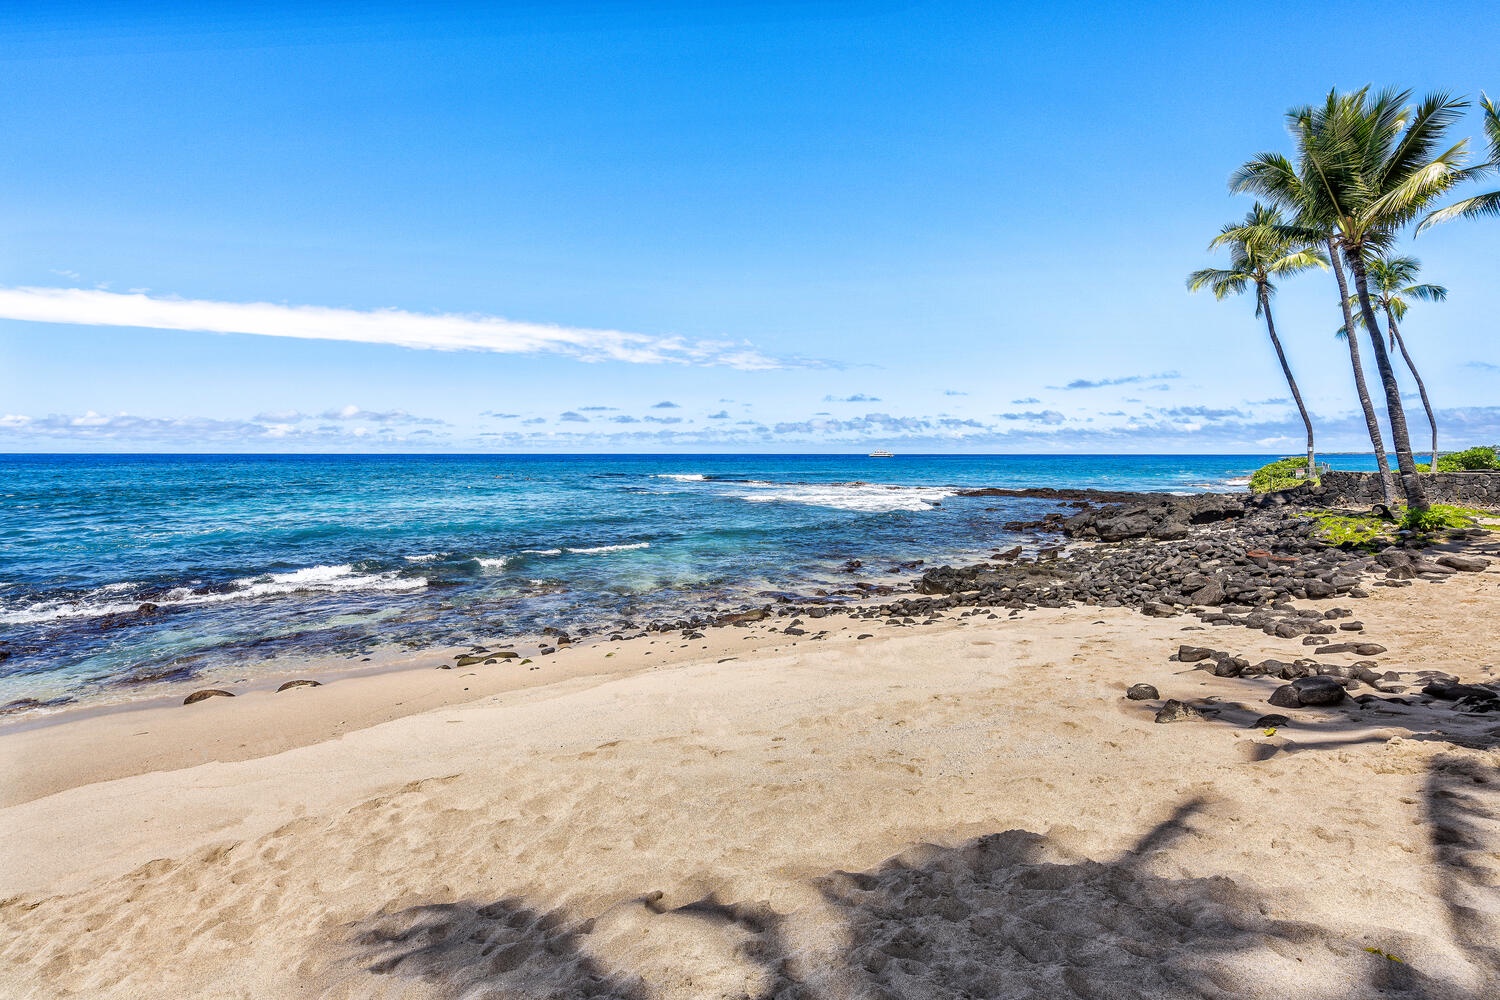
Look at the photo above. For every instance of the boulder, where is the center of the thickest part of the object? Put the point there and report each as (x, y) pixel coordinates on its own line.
(298, 684)
(1142, 692)
(204, 695)
(1176, 711)
(1465, 564)
(1320, 690)
(1192, 654)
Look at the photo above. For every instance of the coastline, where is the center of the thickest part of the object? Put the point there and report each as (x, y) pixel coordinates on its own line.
(668, 819)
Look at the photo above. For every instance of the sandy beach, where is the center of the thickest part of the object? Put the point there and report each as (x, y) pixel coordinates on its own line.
(963, 808)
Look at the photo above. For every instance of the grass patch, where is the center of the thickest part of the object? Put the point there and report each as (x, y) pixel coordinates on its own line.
(1353, 531)
(1370, 531)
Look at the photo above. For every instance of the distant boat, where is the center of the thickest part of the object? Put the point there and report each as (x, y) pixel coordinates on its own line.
(881, 453)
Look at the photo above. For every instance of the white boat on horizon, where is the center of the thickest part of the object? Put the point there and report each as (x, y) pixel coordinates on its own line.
(881, 453)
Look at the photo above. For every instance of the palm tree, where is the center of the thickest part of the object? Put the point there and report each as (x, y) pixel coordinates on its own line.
(1371, 166)
(1479, 204)
(1261, 248)
(1312, 230)
(1394, 280)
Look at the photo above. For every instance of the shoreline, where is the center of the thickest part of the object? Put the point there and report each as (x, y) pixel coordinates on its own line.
(592, 816)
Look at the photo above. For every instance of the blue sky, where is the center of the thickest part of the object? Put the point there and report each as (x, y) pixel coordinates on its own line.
(686, 227)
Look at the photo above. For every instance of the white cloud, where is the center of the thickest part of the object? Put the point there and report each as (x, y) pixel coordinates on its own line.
(394, 327)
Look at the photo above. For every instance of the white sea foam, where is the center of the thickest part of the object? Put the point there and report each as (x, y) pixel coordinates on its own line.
(682, 477)
(1238, 481)
(599, 549)
(864, 497)
(313, 579)
(499, 562)
(542, 552)
(425, 557)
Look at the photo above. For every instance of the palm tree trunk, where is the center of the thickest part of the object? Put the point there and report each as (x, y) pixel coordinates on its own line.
(1390, 325)
(1416, 496)
(1387, 487)
(1286, 369)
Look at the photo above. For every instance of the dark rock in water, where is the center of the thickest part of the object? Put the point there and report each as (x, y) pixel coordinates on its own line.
(1285, 697)
(147, 608)
(1272, 721)
(1142, 692)
(1314, 691)
(1466, 564)
(205, 694)
(1176, 711)
(1008, 555)
(298, 684)
(1192, 654)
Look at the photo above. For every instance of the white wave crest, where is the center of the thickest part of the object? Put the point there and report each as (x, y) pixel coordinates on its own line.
(541, 552)
(682, 477)
(870, 498)
(497, 563)
(313, 579)
(425, 557)
(599, 549)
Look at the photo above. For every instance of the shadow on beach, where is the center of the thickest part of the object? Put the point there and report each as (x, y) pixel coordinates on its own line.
(1012, 914)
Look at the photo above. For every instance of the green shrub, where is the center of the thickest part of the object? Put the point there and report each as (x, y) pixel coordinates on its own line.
(1278, 475)
(1477, 459)
(1437, 517)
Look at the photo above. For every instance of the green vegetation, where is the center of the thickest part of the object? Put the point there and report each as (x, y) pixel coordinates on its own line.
(1478, 459)
(1278, 475)
(1371, 531)
(1437, 517)
(1354, 531)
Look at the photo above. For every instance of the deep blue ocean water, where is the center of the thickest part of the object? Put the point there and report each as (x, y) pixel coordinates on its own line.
(251, 557)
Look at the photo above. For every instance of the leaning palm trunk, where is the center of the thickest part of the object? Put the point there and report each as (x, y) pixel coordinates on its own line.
(1286, 369)
(1387, 487)
(1416, 496)
(1400, 342)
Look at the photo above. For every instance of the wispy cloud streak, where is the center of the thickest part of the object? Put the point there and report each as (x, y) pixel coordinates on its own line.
(393, 327)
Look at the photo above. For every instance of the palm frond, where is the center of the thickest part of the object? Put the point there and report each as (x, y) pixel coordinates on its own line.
(1427, 293)
(1476, 207)
(1221, 282)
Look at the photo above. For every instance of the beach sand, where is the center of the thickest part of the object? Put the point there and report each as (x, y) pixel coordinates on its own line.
(969, 808)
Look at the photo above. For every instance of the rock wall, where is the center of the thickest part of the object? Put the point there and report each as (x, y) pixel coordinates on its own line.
(1467, 489)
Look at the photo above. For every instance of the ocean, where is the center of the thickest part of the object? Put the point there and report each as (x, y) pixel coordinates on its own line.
(253, 558)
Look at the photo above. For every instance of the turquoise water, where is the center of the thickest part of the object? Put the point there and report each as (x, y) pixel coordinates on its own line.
(250, 557)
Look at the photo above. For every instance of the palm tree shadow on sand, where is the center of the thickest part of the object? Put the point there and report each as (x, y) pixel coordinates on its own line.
(1012, 914)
